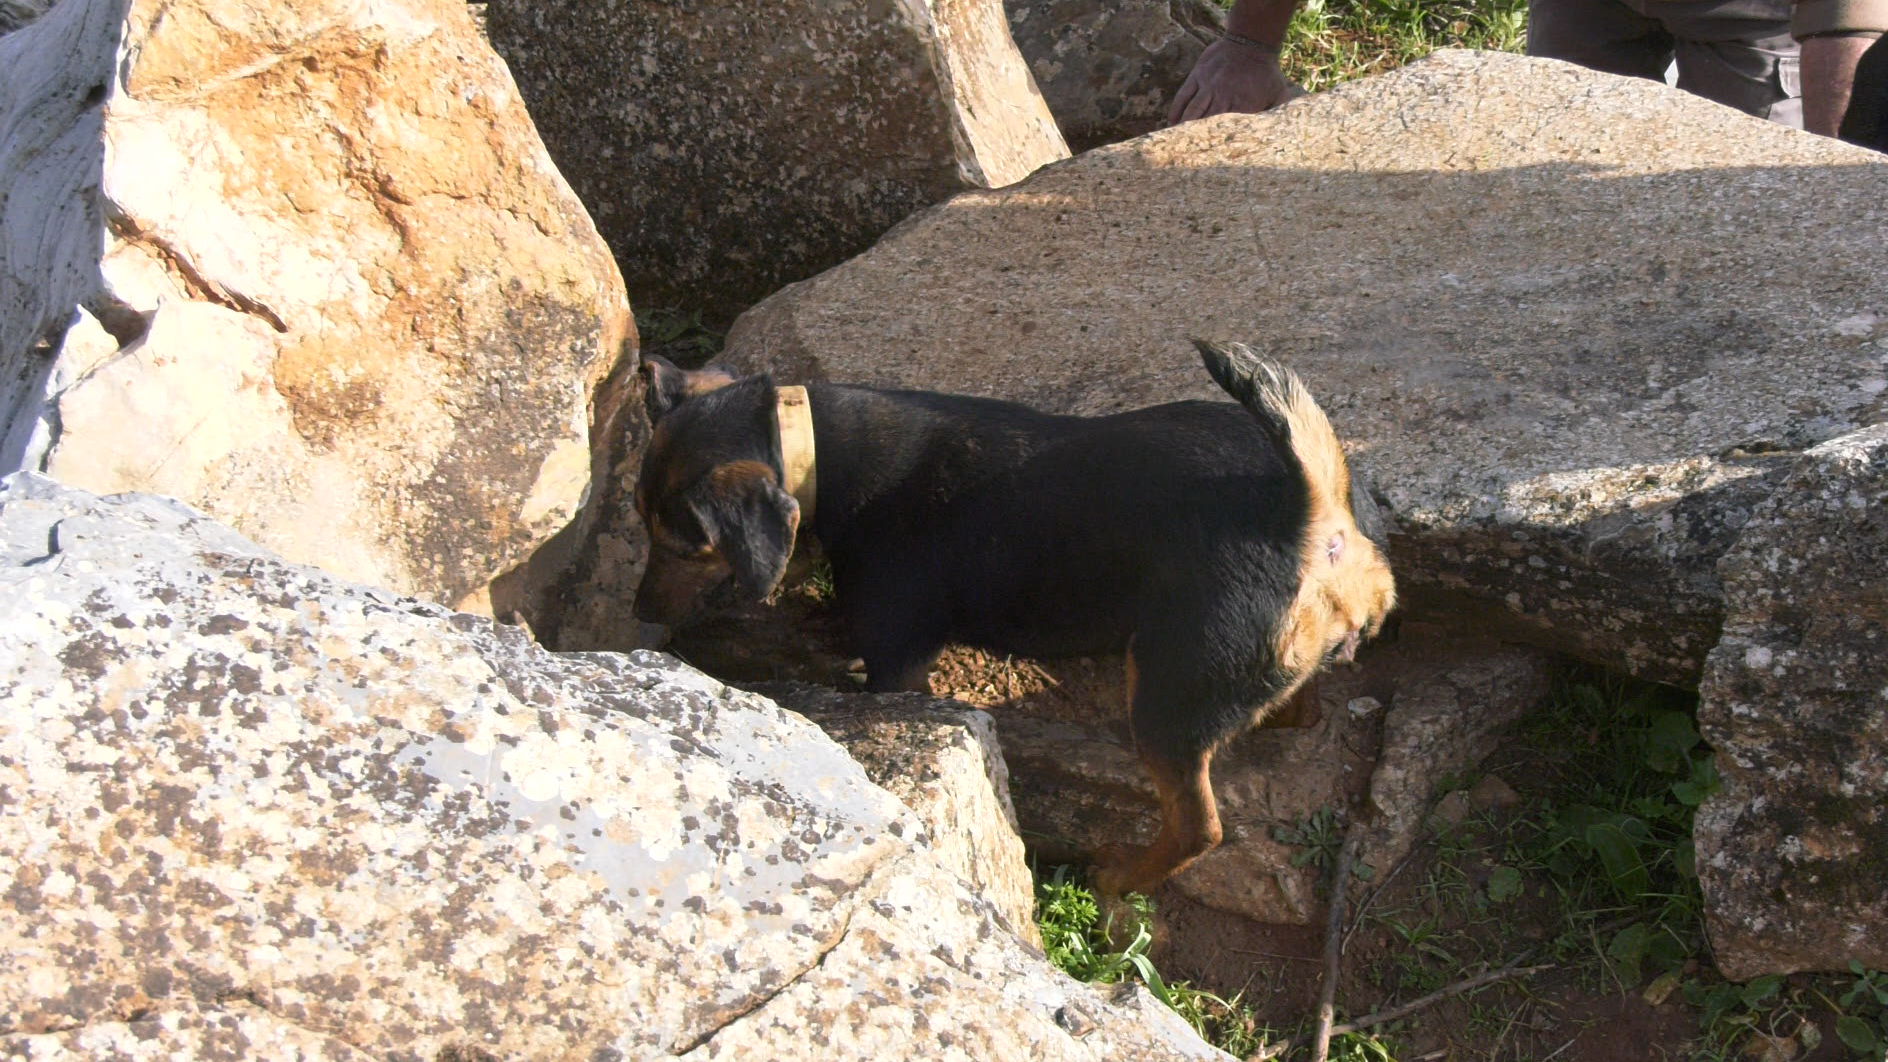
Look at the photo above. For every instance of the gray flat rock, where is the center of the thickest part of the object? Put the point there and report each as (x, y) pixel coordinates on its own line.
(1572, 326)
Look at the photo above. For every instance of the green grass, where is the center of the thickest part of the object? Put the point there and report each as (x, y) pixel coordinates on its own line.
(1599, 858)
(1595, 862)
(1083, 944)
(1332, 41)
(1613, 831)
(1792, 1013)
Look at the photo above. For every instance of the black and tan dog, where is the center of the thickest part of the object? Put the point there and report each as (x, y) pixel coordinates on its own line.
(1216, 546)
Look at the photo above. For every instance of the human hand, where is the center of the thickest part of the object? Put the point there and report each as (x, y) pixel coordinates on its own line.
(1231, 75)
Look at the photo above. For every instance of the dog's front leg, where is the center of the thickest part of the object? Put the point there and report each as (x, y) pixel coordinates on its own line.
(898, 656)
(894, 624)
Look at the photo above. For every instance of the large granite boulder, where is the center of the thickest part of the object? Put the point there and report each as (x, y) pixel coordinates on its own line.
(252, 808)
(1793, 849)
(306, 266)
(1585, 334)
(727, 148)
(1109, 68)
(1570, 325)
(577, 593)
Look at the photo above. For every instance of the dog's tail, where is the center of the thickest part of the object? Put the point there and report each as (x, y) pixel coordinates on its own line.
(1286, 411)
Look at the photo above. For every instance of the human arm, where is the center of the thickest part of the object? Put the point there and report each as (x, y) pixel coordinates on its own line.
(1240, 71)
(1834, 34)
(1828, 80)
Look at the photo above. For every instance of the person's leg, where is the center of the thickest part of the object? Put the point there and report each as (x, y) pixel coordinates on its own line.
(1738, 53)
(1604, 35)
(1866, 121)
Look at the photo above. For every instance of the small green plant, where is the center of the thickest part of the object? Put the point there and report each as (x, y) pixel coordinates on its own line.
(1616, 837)
(1862, 1013)
(1358, 1047)
(1745, 1020)
(1077, 938)
(819, 580)
(1317, 838)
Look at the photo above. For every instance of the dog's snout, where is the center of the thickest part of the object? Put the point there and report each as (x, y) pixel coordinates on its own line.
(1346, 651)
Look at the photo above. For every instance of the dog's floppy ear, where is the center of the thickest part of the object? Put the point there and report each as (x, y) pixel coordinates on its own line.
(751, 521)
(669, 386)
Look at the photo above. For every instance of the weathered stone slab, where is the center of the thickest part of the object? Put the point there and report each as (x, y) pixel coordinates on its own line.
(1109, 68)
(307, 266)
(728, 148)
(1565, 321)
(236, 1029)
(1443, 718)
(1793, 849)
(944, 762)
(254, 807)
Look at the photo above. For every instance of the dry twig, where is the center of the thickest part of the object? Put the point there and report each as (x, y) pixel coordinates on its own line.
(1333, 943)
(1404, 1010)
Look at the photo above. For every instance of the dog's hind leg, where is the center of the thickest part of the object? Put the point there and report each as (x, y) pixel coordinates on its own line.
(1174, 755)
(1189, 828)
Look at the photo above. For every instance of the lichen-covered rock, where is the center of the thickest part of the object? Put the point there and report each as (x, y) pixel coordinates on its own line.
(1559, 317)
(943, 761)
(252, 809)
(1443, 719)
(306, 266)
(182, 1030)
(577, 593)
(728, 148)
(1109, 68)
(1793, 849)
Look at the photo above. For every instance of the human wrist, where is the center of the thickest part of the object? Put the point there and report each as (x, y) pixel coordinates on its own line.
(1251, 44)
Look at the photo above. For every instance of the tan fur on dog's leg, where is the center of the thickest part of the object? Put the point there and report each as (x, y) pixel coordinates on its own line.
(1189, 828)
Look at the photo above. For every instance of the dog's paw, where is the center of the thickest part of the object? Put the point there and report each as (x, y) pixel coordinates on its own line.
(1121, 869)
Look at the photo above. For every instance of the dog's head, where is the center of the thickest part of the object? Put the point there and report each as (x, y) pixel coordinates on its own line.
(720, 527)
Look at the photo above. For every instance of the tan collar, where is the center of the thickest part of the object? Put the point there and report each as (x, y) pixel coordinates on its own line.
(795, 418)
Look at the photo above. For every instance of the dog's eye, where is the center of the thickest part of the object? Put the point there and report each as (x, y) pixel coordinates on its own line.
(1334, 547)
